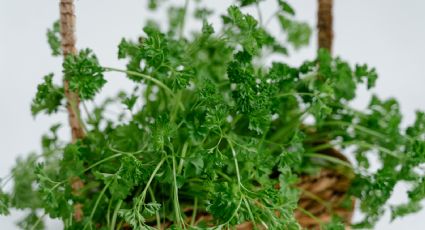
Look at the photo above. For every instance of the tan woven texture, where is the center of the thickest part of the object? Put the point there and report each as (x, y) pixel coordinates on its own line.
(323, 197)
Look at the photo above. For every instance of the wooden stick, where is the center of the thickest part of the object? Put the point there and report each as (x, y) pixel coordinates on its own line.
(67, 21)
(325, 24)
(67, 25)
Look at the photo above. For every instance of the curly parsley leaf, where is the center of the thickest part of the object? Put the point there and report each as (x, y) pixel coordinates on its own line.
(53, 38)
(48, 98)
(84, 74)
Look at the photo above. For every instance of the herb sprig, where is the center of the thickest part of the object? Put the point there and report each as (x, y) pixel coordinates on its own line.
(212, 133)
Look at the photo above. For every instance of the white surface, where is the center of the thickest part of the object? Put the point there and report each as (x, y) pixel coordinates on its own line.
(387, 34)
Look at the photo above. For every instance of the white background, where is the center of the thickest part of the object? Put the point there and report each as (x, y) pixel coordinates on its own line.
(387, 34)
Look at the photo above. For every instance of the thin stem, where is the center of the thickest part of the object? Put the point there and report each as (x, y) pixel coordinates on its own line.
(97, 203)
(233, 215)
(184, 150)
(311, 215)
(319, 200)
(224, 175)
(147, 77)
(87, 111)
(295, 94)
(108, 213)
(102, 161)
(358, 143)
(236, 163)
(155, 171)
(358, 127)
(176, 195)
(114, 216)
(38, 221)
(142, 196)
(5, 180)
(74, 106)
(281, 134)
(158, 218)
(249, 211)
(127, 153)
(330, 159)
(195, 209)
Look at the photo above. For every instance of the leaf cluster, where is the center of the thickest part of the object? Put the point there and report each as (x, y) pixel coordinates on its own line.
(210, 138)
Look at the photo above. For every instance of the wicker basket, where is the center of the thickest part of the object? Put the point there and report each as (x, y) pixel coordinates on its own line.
(324, 195)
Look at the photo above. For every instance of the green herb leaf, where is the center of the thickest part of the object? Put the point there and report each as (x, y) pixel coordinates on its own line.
(84, 74)
(53, 38)
(48, 98)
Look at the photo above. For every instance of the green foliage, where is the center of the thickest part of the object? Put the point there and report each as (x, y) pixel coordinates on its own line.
(153, 4)
(286, 7)
(210, 131)
(53, 38)
(298, 32)
(248, 2)
(136, 217)
(48, 98)
(84, 74)
(334, 224)
(24, 195)
(31, 222)
(4, 203)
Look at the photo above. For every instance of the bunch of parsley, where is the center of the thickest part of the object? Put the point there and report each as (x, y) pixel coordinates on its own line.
(207, 131)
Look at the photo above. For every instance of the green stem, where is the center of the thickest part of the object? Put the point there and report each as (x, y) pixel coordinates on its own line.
(233, 215)
(126, 153)
(319, 200)
(96, 164)
(155, 171)
(144, 76)
(295, 94)
(87, 111)
(250, 212)
(236, 164)
(224, 175)
(282, 134)
(97, 203)
(108, 213)
(5, 180)
(184, 150)
(102, 161)
(176, 195)
(195, 209)
(358, 127)
(149, 78)
(330, 159)
(38, 221)
(74, 106)
(311, 215)
(358, 143)
(114, 216)
(158, 218)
